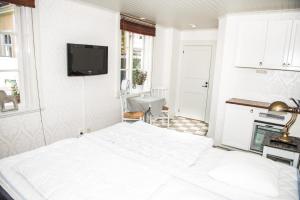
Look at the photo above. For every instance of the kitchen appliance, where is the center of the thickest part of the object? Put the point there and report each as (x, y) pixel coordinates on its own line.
(260, 130)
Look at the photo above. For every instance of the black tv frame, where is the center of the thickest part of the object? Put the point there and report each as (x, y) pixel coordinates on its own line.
(70, 70)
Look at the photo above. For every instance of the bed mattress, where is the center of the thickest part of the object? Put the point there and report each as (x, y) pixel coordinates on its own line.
(127, 161)
(78, 169)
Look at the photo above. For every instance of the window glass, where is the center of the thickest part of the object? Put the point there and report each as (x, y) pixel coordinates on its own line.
(136, 61)
(7, 39)
(9, 70)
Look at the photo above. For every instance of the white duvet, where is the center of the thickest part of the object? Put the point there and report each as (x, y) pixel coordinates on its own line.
(79, 170)
(166, 147)
(96, 168)
(124, 162)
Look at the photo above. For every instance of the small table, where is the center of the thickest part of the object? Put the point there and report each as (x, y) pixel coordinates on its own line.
(282, 151)
(148, 104)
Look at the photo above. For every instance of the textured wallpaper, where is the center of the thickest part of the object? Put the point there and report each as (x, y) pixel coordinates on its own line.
(20, 133)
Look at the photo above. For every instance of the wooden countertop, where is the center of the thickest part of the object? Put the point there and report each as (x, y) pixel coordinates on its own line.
(244, 102)
(250, 103)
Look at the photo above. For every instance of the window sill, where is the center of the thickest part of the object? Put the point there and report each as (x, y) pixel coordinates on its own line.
(18, 112)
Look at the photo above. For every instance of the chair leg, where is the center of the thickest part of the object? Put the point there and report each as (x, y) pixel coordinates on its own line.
(168, 120)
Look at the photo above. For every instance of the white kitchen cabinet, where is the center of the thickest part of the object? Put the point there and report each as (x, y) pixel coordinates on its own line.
(277, 44)
(269, 44)
(238, 126)
(251, 43)
(294, 51)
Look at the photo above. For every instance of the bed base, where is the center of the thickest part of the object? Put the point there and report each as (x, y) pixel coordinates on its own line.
(4, 195)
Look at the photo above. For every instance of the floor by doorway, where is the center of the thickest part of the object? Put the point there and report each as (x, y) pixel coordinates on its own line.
(183, 124)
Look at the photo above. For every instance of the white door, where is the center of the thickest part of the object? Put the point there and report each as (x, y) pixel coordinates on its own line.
(277, 44)
(195, 68)
(251, 43)
(294, 53)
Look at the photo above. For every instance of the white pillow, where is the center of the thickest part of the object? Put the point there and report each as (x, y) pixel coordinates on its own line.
(248, 171)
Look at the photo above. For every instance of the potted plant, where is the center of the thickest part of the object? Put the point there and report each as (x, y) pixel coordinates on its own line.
(16, 92)
(139, 78)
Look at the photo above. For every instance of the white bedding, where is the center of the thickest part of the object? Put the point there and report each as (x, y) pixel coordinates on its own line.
(166, 147)
(124, 162)
(198, 175)
(80, 169)
(14, 183)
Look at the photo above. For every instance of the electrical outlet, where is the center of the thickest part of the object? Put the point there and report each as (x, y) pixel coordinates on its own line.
(81, 132)
(261, 71)
(88, 130)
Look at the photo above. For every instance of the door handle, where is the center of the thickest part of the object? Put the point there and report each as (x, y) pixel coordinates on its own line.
(206, 85)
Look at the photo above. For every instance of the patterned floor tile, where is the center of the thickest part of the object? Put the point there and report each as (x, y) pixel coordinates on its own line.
(182, 124)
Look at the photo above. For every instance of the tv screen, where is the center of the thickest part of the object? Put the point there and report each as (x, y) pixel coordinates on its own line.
(85, 60)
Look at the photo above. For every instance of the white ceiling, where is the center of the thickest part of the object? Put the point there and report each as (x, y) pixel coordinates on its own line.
(181, 13)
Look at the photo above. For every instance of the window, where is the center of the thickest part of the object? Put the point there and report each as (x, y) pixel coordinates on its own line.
(18, 77)
(136, 61)
(9, 70)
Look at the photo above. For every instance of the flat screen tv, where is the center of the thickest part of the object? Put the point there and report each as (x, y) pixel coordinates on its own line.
(86, 60)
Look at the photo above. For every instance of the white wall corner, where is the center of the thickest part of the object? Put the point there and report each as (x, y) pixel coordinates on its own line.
(214, 131)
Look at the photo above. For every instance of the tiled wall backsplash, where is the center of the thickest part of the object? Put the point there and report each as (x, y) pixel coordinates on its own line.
(271, 85)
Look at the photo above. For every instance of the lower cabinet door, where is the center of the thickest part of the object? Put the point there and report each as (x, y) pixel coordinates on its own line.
(238, 126)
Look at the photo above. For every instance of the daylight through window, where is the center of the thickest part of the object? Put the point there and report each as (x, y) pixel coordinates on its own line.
(136, 61)
(9, 70)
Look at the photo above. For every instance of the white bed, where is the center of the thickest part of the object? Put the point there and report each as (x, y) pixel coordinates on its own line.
(127, 161)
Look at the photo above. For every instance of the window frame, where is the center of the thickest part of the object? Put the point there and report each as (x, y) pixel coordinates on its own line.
(17, 54)
(129, 60)
(27, 44)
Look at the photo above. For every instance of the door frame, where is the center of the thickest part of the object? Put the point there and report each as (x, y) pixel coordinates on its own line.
(184, 43)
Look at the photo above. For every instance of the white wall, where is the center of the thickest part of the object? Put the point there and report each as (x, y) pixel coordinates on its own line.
(176, 52)
(75, 103)
(162, 57)
(197, 35)
(165, 62)
(70, 104)
(20, 133)
(162, 60)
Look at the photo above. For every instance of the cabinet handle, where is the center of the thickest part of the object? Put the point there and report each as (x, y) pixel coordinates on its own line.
(251, 111)
(260, 63)
(284, 64)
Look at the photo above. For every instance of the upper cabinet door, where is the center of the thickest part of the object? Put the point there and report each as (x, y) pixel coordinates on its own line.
(294, 52)
(251, 43)
(277, 44)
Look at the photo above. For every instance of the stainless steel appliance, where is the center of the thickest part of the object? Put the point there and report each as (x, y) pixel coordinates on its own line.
(260, 129)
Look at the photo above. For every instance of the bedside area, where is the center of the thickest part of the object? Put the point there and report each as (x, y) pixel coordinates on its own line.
(278, 151)
(248, 125)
